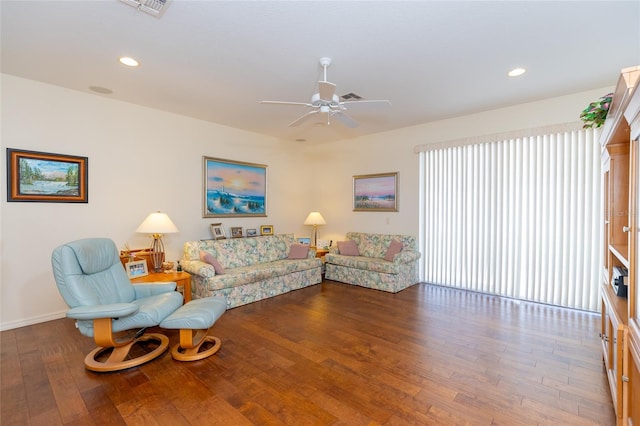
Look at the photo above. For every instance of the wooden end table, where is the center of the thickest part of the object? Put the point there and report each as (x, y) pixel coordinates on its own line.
(180, 278)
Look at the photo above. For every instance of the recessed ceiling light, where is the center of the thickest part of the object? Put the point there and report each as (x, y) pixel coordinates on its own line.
(516, 72)
(102, 90)
(130, 62)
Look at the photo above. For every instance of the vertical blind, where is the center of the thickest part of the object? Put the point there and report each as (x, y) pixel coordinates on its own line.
(518, 218)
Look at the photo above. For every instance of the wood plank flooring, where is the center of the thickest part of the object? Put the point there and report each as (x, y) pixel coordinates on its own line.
(331, 354)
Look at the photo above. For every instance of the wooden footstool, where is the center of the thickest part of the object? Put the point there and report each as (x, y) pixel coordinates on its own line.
(194, 320)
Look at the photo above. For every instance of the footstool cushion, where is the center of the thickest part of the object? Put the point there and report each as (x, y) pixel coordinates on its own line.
(194, 320)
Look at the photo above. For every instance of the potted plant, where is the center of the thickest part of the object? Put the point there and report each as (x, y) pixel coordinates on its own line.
(594, 115)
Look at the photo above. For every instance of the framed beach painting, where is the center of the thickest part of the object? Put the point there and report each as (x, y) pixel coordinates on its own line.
(375, 193)
(234, 188)
(46, 177)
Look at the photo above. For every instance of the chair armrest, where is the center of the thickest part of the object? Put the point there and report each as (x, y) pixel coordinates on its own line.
(114, 310)
(406, 256)
(151, 289)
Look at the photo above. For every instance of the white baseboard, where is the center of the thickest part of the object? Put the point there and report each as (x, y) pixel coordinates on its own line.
(33, 320)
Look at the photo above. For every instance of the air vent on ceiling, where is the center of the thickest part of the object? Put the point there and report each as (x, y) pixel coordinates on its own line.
(152, 7)
(351, 97)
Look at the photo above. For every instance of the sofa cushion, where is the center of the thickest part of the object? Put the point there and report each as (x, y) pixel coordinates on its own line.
(348, 248)
(298, 251)
(208, 258)
(361, 262)
(394, 248)
(238, 252)
(236, 277)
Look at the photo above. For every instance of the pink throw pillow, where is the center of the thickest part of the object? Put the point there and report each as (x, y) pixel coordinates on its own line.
(395, 247)
(298, 251)
(348, 248)
(208, 258)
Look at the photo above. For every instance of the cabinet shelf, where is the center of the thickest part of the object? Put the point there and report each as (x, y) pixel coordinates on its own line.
(621, 252)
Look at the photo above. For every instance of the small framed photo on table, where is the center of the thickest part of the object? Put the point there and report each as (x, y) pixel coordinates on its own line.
(236, 232)
(266, 230)
(136, 268)
(304, 240)
(217, 231)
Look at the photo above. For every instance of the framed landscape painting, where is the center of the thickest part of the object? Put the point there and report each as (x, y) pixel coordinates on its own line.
(234, 188)
(375, 193)
(46, 177)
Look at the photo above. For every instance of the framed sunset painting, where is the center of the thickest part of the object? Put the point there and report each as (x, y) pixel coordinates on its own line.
(234, 188)
(375, 193)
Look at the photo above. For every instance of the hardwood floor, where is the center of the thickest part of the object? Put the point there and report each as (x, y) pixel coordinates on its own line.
(331, 354)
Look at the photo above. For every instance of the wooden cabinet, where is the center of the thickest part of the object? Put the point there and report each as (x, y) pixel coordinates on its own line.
(620, 315)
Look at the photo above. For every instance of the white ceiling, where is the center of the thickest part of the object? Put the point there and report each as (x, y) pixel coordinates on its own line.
(216, 60)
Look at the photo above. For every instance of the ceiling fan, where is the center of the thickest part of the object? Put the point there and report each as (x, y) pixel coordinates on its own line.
(326, 102)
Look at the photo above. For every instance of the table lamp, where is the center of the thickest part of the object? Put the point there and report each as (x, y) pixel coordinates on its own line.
(315, 219)
(157, 224)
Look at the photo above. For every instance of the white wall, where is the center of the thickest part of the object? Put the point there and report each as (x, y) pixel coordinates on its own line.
(393, 152)
(140, 160)
(133, 151)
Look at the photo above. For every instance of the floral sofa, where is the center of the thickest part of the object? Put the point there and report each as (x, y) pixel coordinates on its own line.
(369, 268)
(255, 268)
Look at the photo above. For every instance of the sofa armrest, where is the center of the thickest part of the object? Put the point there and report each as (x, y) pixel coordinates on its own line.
(198, 267)
(406, 256)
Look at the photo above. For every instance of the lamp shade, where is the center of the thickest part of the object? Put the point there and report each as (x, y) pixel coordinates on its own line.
(315, 218)
(157, 223)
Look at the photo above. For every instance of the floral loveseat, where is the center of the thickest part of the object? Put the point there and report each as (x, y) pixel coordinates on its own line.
(370, 269)
(255, 268)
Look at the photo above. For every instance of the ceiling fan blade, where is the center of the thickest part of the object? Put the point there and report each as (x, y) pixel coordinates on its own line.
(382, 102)
(286, 103)
(303, 118)
(345, 119)
(326, 90)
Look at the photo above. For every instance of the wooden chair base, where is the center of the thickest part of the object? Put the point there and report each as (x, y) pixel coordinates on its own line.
(117, 360)
(191, 342)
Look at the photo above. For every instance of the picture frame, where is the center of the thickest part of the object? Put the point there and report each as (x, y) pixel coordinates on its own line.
(266, 229)
(375, 192)
(236, 232)
(35, 176)
(136, 269)
(217, 231)
(252, 232)
(234, 188)
(304, 240)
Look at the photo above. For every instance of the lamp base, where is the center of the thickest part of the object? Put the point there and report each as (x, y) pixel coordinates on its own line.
(156, 253)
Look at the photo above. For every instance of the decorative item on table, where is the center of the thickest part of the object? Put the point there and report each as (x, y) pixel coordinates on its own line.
(266, 229)
(252, 232)
(218, 231)
(375, 193)
(157, 224)
(137, 268)
(324, 244)
(236, 232)
(167, 266)
(234, 188)
(46, 177)
(179, 267)
(315, 219)
(595, 114)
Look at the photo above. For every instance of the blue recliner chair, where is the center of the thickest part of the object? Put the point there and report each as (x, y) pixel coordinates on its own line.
(107, 307)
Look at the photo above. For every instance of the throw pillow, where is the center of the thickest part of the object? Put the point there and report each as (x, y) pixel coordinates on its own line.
(348, 248)
(395, 247)
(298, 251)
(208, 258)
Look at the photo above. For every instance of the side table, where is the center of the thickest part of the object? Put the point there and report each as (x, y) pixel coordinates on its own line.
(180, 278)
(320, 253)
